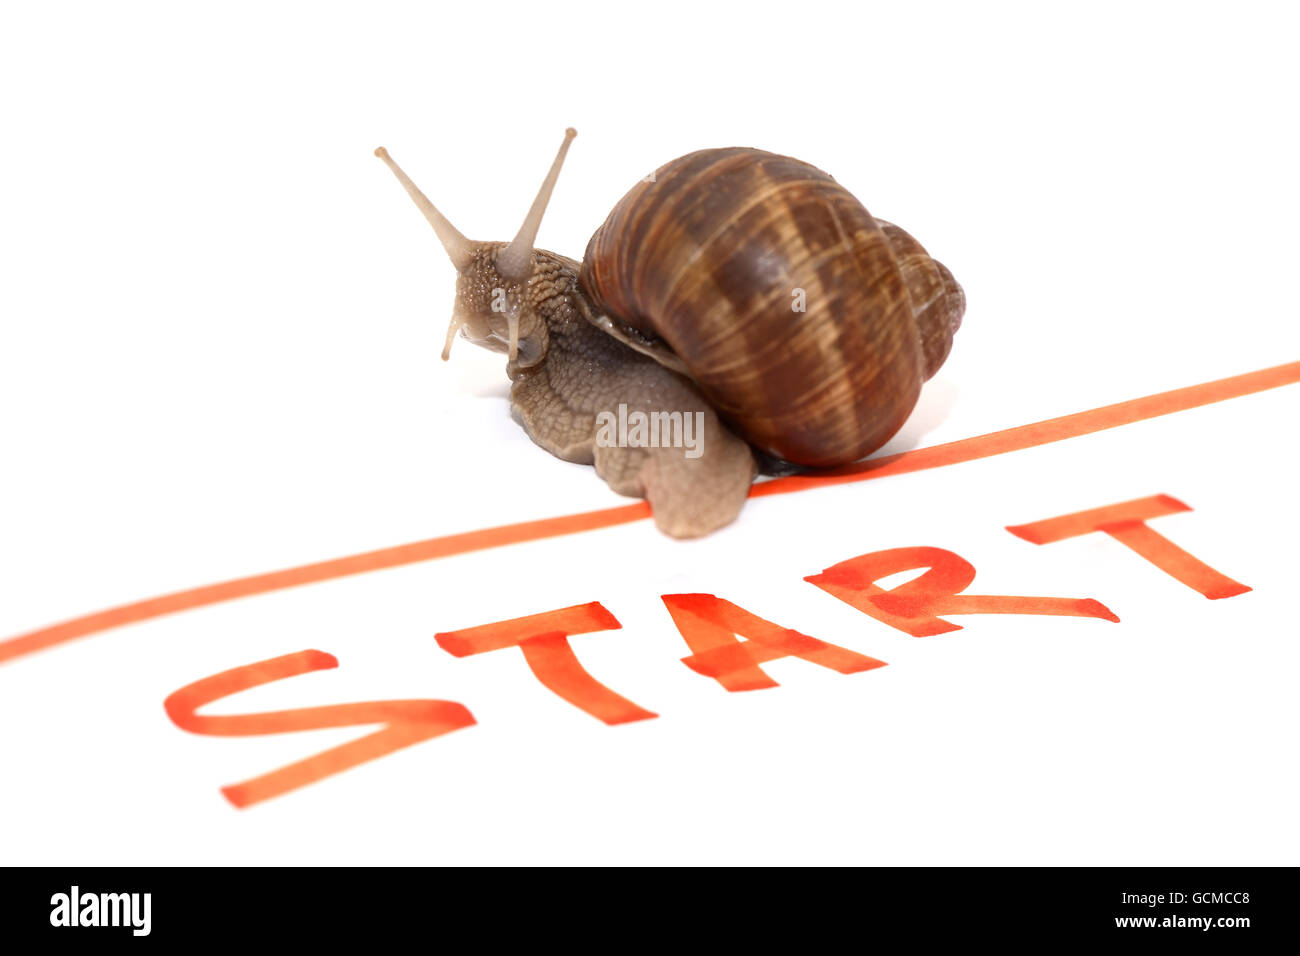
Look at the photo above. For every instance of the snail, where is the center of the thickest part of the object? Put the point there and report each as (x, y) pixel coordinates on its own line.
(742, 301)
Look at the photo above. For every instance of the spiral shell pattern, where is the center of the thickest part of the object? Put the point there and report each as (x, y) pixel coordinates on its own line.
(807, 323)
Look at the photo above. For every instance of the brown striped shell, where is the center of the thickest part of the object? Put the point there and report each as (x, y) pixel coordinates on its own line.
(712, 257)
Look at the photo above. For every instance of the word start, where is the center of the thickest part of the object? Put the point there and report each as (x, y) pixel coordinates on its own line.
(727, 643)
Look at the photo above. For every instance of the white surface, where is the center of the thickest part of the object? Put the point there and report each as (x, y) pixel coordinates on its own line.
(221, 321)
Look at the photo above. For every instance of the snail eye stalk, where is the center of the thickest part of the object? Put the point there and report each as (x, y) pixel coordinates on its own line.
(460, 249)
(514, 262)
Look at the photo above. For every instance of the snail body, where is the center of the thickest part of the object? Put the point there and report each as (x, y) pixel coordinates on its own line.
(745, 289)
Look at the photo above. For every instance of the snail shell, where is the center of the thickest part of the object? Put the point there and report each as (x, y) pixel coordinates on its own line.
(714, 256)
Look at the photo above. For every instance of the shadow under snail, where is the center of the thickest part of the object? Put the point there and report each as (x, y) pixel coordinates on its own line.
(746, 293)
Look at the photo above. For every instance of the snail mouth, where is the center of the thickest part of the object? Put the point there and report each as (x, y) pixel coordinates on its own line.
(478, 330)
(494, 334)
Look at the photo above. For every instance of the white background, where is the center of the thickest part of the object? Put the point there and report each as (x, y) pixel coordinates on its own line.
(218, 356)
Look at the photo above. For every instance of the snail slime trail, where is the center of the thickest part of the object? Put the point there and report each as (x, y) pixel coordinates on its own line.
(679, 318)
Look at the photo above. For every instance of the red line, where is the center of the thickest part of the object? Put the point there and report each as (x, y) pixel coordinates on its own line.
(1043, 433)
(969, 449)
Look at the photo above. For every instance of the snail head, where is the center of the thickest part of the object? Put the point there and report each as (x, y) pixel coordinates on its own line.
(492, 302)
